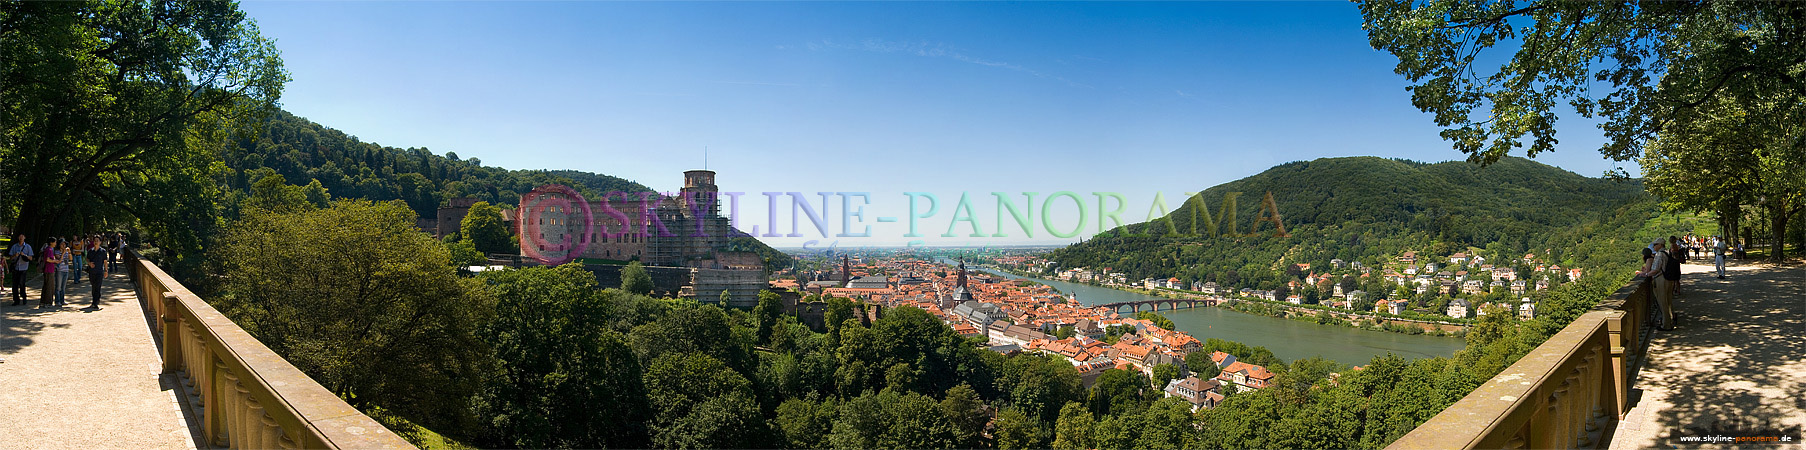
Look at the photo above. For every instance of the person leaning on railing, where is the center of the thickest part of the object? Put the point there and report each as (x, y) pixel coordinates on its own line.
(1658, 265)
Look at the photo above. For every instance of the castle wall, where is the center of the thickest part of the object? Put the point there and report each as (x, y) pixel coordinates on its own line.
(742, 286)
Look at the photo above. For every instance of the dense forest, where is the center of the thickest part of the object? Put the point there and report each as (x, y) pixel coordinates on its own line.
(302, 151)
(1369, 210)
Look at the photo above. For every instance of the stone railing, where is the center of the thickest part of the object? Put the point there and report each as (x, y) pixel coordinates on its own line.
(245, 395)
(1566, 393)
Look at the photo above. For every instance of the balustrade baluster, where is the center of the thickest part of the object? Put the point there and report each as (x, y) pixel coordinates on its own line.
(224, 404)
(222, 396)
(270, 434)
(1551, 415)
(1571, 407)
(252, 429)
(242, 421)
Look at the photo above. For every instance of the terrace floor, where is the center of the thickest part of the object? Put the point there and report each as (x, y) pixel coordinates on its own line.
(78, 378)
(1737, 361)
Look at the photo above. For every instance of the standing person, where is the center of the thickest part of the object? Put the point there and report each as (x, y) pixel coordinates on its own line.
(1672, 272)
(1718, 249)
(97, 268)
(80, 262)
(1657, 265)
(51, 259)
(119, 242)
(19, 257)
(63, 267)
(1677, 255)
(113, 244)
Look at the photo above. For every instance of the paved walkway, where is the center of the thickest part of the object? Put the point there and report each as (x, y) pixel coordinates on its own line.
(76, 378)
(1737, 360)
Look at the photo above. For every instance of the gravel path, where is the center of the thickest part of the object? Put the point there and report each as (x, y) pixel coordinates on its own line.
(77, 378)
(1737, 361)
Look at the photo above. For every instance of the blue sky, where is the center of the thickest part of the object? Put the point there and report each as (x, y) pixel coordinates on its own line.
(885, 98)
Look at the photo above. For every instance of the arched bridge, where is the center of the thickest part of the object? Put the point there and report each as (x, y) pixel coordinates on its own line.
(1154, 305)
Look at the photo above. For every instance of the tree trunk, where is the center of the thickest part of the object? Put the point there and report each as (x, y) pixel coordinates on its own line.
(1736, 221)
(1778, 218)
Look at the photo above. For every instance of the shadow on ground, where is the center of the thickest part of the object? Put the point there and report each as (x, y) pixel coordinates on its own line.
(1736, 363)
(19, 325)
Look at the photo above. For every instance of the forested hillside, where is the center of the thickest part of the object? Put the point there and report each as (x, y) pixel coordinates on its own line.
(1369, 209)
(304, 152)
(301, 150)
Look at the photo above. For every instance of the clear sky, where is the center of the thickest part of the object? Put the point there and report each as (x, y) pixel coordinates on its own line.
(884, 98)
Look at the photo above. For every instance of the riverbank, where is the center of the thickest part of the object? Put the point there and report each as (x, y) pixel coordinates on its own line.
(1289, 339)
(1320, 315)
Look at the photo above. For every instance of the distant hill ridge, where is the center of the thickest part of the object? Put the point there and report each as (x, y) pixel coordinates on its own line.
(1368, 209)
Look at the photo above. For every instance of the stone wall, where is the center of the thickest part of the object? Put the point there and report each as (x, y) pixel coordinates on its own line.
(666, 281)
(742, 286)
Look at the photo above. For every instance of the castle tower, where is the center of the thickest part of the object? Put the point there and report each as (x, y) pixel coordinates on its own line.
(699, 185)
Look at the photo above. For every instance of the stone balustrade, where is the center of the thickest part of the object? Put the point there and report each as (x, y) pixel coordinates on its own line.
(1561, 395)
(246, 396)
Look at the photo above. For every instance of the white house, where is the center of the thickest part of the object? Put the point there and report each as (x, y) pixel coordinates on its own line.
(1527, 309)
(1458, 309)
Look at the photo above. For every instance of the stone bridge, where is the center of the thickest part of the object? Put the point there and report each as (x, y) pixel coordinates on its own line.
(1154, 305)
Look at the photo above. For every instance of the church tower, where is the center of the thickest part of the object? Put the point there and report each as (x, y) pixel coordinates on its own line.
(846, 272)
(962, 274)
(961, 293)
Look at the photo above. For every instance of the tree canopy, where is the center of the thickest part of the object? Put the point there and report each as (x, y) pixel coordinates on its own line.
(337, 290)
(483, 226)
(1642, 67)
(115, 114)
(1705, 95)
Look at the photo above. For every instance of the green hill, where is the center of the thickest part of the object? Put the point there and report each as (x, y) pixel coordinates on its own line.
(301, 150)
(1369, 210)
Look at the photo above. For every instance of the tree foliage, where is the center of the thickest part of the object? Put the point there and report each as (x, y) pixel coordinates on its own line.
(362, 302)
(1734, 154)
(560, 381)
(483, 226)
(112, 112)
(635, 280)
(700, 402)
(1073, 431)
(1158, 320)
(1642, 67)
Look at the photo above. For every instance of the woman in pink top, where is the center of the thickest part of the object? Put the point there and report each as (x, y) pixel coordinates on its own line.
(52, 256)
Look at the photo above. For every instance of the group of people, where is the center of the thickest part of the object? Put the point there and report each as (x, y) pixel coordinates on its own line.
(1692, 246)
(1662, 264)
(61, 260)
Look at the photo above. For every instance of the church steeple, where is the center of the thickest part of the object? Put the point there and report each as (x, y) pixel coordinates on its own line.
(962, 274)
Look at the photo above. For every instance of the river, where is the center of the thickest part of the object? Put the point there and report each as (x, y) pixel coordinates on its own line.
(1288, 339)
